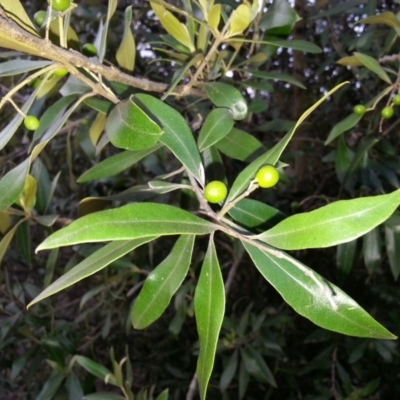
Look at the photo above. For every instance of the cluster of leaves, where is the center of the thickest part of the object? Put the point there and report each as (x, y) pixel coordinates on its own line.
(153, 132)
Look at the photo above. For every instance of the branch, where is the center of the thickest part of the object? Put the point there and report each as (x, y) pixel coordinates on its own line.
(48, 50)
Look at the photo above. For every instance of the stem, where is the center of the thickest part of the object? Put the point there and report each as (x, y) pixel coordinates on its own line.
(16, 107)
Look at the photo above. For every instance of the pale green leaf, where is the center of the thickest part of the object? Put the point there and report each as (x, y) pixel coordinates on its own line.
(240, 20)
(373, 65)
(127, 50)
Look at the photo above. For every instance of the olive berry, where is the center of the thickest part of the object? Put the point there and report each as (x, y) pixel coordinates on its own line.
(31, 123)
(396, 100)
(89, 50)
(359, 109)
(60, 5)
(39, 17)
(387, 112)
(59, 73)
(267, 176)
(215, 191)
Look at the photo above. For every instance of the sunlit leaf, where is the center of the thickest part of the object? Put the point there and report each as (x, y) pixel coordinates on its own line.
(314, 297)
(336, 223)
(132, 221)
(127, 50)
(240, 19)
(373, 65)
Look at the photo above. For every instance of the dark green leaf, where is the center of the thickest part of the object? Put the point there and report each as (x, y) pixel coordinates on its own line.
(177, 135)
(217, 125)
(227, 96)
(129, 127)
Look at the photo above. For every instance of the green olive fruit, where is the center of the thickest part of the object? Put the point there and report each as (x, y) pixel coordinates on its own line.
(387, 112)
(59, 73)
(396, 100)
(39, 17)
(31, 123)
(267, 176)
(215, 191)
(359, 110)
(60, 5)
(89, 50)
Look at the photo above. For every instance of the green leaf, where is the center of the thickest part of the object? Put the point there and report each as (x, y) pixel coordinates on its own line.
(163, 395)
(6, 239)
(241, 183)
(103, 396)
(103, 31)
(162, 283)
(279, 19)
(132, 221)
(373, 65)
(217, 125)
(90, 265)
(252, 213)
(96, 369)
(209, 308)
(256, 366)
(278, 76)
(314, 297)
(127, 50)
(227, 96)
(299, 45)
(392, 239)
(51, 386)
(177, 135)
(333, 224)
(344, 125)
(20, 66)
(115, 164)
(239, 145)
(229, 371)
(12, 184)
(130, 128)
(387, 18)
(345, 253)
(372, 244)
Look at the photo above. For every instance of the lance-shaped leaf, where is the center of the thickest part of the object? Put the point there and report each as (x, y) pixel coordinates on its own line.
(240, 20)
(314, 297)
(373, 65)
(177, 135)
(132, 221)
(16, 67)
(115, 164)
(209, 308)
(387, 18)
(130, 128)
(127, 50)
(218, 124)
(336, 223)
(227, 96)
(162, 283)
(343, 126)
(91, 264)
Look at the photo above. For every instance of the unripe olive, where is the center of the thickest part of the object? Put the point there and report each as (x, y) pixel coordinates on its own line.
(359, 109)
(60, 5)
(387, 112)
(215, 191)
(89, 50)
(31, 123)
(267, 176)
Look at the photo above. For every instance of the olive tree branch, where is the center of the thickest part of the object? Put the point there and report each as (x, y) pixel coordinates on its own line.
(48, 50)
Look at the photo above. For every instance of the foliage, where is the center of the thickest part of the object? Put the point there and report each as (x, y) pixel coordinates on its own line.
(218, 64)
